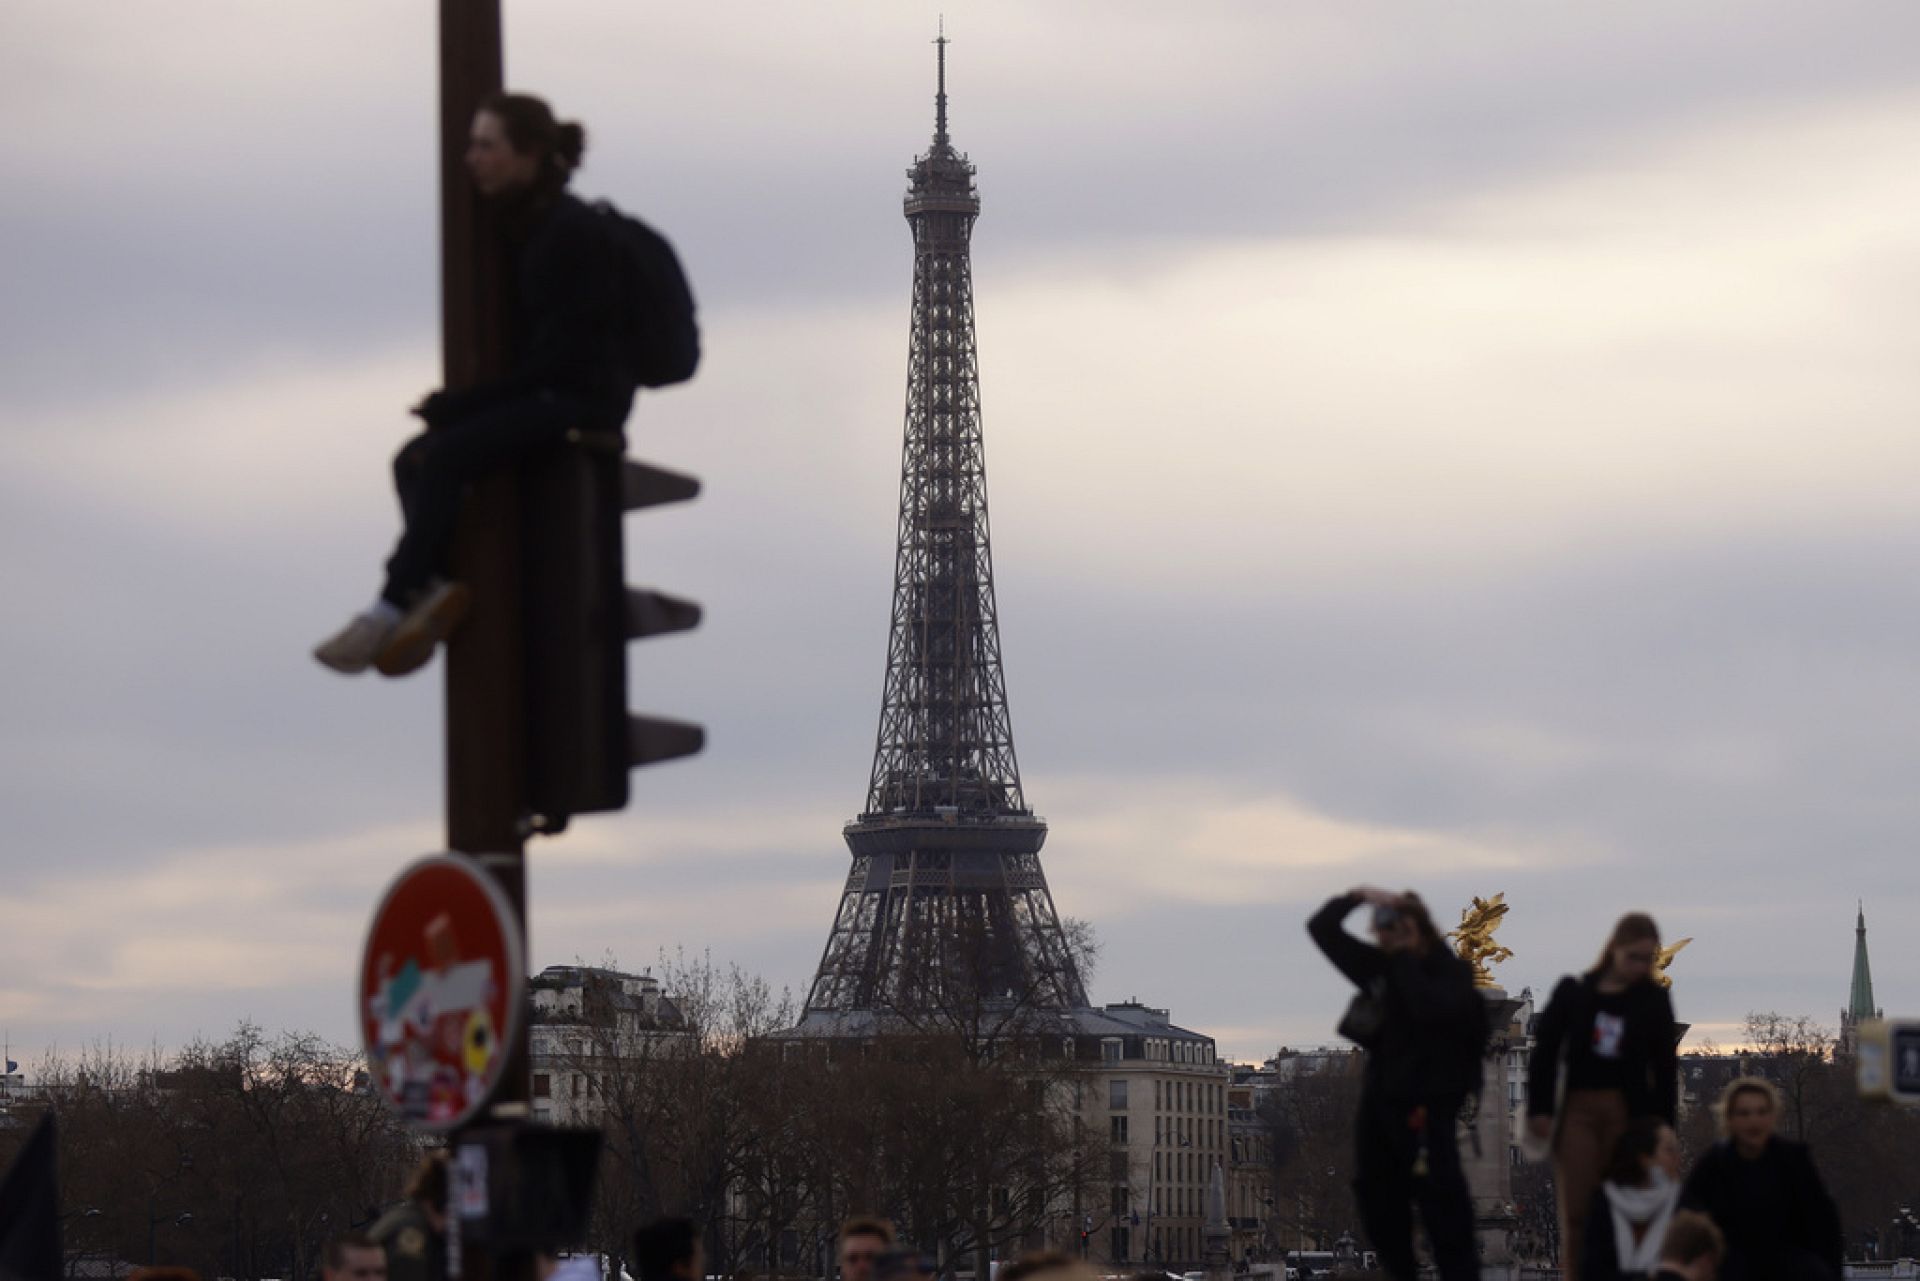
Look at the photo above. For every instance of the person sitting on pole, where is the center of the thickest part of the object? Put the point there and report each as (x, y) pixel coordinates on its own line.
(567, 371)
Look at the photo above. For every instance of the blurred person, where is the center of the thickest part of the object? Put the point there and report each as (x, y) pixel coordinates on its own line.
(668, 1249)
(414, 1233)
(1603, 1055)
(1046, 1265)
(1764, 1193)
(1424, 1028)
(1636, 1199)
(863, 1239)
(1690, 1249)
(353, 1257)
(567, 370)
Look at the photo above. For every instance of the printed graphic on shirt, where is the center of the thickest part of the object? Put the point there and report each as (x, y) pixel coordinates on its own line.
(1608, 1031)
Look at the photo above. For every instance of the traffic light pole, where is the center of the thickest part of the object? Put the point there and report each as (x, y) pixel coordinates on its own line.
(485, 718)
(485, 703)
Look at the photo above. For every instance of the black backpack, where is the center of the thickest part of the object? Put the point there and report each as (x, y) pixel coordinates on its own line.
(655, 306)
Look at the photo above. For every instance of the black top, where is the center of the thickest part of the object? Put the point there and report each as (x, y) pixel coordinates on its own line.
(1624, 1041)
(1429, 1046)
(564, 332)
(1771, 1207)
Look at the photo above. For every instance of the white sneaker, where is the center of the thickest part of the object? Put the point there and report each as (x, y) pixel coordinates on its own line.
(431, 619)
(352, 649)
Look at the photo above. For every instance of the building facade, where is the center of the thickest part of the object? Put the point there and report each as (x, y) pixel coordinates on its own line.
(1159, 1093)
(589, 1023)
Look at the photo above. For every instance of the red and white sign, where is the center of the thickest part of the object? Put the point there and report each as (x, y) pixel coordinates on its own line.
(442, 982)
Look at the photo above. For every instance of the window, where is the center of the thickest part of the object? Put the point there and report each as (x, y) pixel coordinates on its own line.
(576, 1081)
(1110, 1050)
(542, 1086)
(1156, 1167)
(1156, 1094)
(1121, 1247)
(1117, 1126)
(1119, 1201)
(1119, 1168)
(1116, 1094)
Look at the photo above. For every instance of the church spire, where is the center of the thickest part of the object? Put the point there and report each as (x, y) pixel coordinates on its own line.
(1860, 999)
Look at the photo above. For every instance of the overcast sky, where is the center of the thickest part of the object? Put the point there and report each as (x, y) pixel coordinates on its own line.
(1463, 447)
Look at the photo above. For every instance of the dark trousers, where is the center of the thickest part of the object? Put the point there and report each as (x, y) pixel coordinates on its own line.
(1387, 1189)
(432, 472)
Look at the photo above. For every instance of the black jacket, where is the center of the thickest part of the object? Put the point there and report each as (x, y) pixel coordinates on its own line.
(1647, 1053)
(1771, 1207)
(564, 336)
(1431, 1042)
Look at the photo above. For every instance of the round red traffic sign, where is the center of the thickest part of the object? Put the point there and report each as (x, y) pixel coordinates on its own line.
(442, 980)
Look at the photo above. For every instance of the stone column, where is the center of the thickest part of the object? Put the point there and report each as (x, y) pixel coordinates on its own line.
(1217, 1236)
(1488, 1165)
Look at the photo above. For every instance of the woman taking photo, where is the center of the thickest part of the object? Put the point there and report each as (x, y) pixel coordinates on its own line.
(1765, 1194)
(1630, 1212)
(1603, 1055)
(1424, 1029)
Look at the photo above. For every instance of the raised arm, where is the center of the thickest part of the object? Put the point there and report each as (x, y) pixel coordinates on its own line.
(1360, 962)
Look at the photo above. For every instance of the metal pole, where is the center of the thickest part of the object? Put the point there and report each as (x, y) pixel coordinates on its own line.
(485, 700)
(485, 717)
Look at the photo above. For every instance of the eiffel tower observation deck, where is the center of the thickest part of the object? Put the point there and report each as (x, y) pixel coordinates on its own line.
(946, 899)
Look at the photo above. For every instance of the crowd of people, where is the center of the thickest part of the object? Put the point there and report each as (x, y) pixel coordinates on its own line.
(1602, 1096)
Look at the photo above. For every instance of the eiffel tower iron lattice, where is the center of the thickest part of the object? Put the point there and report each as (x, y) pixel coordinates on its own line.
(946, 886)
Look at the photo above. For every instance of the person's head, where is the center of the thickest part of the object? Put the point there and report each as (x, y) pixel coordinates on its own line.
(1046, 1265)
(1630, 951)
(1693, 1244)
(667, 1250)
(863, 1239)
(1646, 1145)
(517, 145)
(353, 1257)
(1405, 926)
(427, 1188)
(1748, 1108)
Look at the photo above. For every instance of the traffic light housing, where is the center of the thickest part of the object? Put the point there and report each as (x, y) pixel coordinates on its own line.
(580, 614)
(1887, 1060)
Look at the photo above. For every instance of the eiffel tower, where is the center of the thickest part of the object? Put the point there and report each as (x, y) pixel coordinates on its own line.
(946, 885)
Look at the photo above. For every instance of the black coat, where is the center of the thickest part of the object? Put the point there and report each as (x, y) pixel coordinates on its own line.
(564, 334)
(1771, 1207)
(1430, 1044)
(1648, 1052)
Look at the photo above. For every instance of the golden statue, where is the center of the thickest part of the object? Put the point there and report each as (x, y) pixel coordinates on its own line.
(1664, 959)
(1474, 937)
